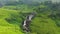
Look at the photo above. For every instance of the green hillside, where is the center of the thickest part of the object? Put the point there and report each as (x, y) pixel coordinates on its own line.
(46, 20)
(5, 27)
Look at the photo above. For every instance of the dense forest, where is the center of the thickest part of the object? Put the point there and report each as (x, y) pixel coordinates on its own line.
(46, 20)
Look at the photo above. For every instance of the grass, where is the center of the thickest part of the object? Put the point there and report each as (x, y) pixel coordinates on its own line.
(5, 27)
(43, 25)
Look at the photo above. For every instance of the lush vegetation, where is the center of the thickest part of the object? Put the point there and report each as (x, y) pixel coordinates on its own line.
(46, 21)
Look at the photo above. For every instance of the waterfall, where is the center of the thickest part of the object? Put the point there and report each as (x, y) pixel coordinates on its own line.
(27, 22)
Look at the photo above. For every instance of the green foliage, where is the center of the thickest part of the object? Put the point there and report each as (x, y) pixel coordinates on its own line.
(5, 27)
(46, 21)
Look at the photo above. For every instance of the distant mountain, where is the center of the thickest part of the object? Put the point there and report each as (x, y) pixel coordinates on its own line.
(29, 2)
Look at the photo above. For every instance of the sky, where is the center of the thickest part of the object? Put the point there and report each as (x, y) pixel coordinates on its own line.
(55, 0)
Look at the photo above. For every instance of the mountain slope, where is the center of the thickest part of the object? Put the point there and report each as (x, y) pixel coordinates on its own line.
(5, 27)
